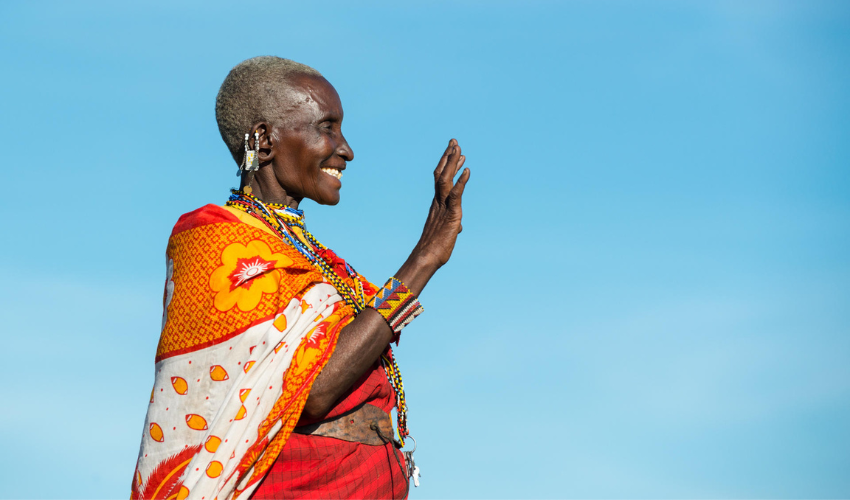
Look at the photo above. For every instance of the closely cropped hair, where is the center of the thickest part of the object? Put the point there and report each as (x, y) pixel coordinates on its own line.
(256, 89)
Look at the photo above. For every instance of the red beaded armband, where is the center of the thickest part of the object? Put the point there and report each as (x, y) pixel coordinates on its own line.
(396, 304)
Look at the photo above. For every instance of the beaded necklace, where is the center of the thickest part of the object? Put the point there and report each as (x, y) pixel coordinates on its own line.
(394, 376)
(280, 219)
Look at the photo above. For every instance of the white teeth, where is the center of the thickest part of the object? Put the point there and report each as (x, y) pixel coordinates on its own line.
(333, 172)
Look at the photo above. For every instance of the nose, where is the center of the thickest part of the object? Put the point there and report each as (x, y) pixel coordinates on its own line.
(344, 150)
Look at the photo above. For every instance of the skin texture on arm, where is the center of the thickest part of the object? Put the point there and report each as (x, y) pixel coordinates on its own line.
(295, 157)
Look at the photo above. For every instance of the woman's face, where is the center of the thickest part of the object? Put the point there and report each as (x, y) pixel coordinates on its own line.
(311, 152)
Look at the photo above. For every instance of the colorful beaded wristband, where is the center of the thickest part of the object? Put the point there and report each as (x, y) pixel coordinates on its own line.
(396, 304)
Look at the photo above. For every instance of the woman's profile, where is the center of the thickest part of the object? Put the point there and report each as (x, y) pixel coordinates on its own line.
(274, 372)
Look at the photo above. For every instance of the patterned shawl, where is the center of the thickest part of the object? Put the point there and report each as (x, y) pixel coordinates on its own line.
(248, 324)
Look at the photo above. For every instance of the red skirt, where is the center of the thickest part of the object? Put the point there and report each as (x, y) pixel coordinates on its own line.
(322, 467)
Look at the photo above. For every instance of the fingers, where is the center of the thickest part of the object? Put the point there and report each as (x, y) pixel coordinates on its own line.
(460, 163)
(460, 159)
(450, 170)
(457, 191)
(442, 163)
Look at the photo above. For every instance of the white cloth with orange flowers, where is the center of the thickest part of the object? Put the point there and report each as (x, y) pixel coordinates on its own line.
(247, 326)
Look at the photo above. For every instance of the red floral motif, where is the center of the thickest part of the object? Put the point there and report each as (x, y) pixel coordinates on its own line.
(316, 335)
(165, 478)
(245, 274)
(249, 268)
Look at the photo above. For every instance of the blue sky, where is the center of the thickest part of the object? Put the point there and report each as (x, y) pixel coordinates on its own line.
(651, 295)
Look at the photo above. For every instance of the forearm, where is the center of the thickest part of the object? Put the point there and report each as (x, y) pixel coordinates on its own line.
(365, 338)
(361, 343)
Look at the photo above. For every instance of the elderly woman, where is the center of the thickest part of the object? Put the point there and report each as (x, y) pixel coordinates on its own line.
(274, 373)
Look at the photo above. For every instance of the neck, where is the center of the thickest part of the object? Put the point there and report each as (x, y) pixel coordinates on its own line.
(267, 190)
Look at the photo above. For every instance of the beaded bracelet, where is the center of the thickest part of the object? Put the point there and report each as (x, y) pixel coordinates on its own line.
(397, 304)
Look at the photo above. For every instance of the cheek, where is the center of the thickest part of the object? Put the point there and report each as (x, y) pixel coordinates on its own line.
(315, 154)
(324, 145)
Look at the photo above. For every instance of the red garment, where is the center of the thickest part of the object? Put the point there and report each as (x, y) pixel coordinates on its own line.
(323, 467)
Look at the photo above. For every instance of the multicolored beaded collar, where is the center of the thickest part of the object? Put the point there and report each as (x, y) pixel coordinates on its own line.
(280, 219)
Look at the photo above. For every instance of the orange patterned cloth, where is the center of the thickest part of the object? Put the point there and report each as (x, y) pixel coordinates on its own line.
(248, 323)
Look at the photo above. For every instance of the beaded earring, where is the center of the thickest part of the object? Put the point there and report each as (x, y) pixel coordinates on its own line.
(251, 161)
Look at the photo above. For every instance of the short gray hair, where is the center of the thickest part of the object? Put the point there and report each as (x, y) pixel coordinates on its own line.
(255, 90)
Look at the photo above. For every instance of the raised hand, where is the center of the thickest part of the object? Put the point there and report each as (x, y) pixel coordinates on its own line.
(444, 218)
(364, 339)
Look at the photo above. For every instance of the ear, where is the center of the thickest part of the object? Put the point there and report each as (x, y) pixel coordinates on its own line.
(267, 141)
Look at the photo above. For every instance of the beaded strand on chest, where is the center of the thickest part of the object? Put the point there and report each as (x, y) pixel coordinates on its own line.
(281, 219)
(270, 215)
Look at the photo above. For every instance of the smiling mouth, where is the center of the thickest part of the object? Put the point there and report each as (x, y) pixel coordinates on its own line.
(333, 172)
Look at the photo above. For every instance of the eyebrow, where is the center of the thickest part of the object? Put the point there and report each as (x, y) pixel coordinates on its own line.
(330, 116)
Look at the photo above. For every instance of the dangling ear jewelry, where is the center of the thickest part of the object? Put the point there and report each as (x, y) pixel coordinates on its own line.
(251, 160)
(244, 157)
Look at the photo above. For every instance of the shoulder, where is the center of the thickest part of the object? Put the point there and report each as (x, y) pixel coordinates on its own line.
(212, 231)
(213, 234)
(207, 214)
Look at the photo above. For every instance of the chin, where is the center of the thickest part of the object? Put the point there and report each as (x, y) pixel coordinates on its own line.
(327, 200)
